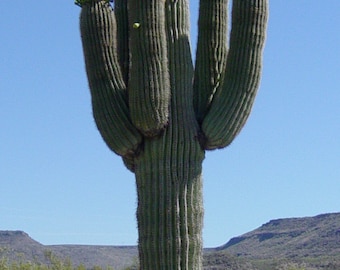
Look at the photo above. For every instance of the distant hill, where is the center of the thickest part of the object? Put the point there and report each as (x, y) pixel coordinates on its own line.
(293, 243)
(118, 257)
(19, 246)
(308, 243)
(290, 237)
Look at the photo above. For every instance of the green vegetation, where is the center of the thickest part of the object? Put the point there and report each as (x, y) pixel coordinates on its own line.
(212, 261)
(27, 265)
(53, 263)
(225, 261)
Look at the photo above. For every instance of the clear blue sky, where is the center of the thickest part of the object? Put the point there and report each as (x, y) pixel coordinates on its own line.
(61, 184)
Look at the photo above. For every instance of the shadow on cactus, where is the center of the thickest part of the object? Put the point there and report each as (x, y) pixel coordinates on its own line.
(160, 112)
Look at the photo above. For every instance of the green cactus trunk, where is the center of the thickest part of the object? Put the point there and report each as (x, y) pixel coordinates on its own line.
(158, 112)
(170, 209)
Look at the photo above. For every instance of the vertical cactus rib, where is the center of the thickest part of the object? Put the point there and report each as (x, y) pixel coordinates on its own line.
(121, 12)
(211, 54)
(232, 103)
(109, 101)
(168, 172)
(149, 89)
(184, 129)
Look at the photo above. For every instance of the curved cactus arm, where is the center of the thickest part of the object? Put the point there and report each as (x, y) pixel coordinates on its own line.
(149, 87)
(121, 13)
(211, 54)
(232, 103)
(109, 98)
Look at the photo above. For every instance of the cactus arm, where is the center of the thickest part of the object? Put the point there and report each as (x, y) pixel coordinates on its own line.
(211, 54)
(232, 103)
(121, 13)
(109, 101)
(149, 88)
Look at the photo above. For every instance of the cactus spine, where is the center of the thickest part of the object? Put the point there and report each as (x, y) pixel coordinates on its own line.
(158, 112)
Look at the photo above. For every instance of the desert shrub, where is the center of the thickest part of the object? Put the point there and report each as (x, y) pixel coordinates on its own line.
(53, 264)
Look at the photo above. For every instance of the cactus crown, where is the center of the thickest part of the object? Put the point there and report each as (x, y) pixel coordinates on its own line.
(133, 73)
(80, 3)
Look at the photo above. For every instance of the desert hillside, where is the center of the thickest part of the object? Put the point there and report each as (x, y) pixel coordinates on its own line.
(307, 243)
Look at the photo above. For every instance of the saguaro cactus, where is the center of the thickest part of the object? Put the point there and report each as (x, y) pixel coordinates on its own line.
(160, 113)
